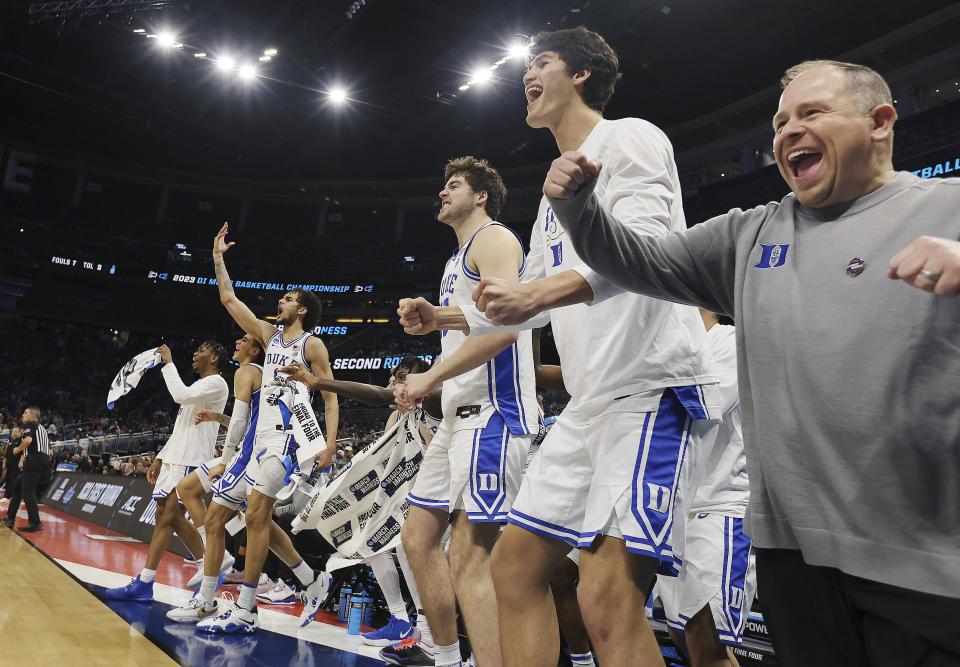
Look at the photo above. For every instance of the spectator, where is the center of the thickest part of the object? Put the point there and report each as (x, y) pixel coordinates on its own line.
(84, 464)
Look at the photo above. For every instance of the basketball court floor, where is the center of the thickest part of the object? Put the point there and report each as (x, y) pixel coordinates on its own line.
(53, 612)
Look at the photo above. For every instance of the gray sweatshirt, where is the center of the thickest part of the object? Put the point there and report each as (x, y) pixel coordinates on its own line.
(849, 381)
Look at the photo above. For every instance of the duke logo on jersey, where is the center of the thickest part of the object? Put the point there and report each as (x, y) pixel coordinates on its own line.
(551, 229)
(773, 255)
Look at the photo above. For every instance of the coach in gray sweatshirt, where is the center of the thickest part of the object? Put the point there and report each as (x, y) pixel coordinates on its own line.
(849, 381)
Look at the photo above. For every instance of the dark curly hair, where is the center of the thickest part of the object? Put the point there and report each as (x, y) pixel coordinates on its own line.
(481, 177)
(219, 351)
(310, 301)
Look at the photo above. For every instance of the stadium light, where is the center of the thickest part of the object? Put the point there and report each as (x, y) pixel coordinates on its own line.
(199, 54)
(139, 31)
(519, 51)
(481, 76)
(465, 86)
(225, 63)
(338, 95)
(166, 38)
(270, 52)
(247, 72)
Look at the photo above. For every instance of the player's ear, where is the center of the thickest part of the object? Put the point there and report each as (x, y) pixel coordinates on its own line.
(580, 76)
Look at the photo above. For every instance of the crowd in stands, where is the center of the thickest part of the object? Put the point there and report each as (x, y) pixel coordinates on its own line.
(66, 369)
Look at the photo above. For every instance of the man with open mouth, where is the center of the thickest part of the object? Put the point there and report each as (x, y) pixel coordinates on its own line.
(848, 381)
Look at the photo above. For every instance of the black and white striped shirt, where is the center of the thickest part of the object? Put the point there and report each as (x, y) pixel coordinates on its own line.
(41, 441)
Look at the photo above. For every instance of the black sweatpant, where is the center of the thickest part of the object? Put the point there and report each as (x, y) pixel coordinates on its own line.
(35, 471)
(822, 616)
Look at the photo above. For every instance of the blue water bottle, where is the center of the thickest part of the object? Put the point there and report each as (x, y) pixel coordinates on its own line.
(366, 599)
(355, 615)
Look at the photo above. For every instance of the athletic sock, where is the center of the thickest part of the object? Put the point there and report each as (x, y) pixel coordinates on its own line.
(248, 596)
(385, 570)
(304, 573)
(203, 536)
(582, 659)
(208, 587)
(146, 576)
(447, 656)
(425, 635)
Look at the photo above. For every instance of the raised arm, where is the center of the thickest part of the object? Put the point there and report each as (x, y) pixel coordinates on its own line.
(238, 310)
(696, 266)
(319, 360)
(204, 390)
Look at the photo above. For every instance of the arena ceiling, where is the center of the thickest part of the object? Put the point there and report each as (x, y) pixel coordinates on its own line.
(701, 69)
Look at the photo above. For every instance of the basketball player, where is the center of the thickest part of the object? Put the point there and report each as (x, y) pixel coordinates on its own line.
(298, 311)
(426, 418)
(612, 473)
(708, 603)
(227, 481)
(191, 489)
(471, 472)
(189, 446)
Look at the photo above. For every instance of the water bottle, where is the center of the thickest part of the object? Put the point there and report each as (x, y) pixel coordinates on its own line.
(355, 615)
(366, 600)
(344, 609)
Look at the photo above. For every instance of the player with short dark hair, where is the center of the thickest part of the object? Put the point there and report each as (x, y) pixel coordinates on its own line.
(188, 447)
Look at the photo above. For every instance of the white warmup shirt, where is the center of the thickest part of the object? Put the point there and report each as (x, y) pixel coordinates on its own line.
(624, 344)
(193, 444)
(725, 488)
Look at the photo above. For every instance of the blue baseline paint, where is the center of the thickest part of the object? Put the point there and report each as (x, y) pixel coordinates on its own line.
(184, 644)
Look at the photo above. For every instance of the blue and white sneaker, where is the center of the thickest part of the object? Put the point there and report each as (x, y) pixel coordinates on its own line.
(316, 594)
(135, 591)
(393, 632)
(231, 620)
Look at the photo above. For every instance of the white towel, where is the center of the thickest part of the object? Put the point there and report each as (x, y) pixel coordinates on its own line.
(129, 376)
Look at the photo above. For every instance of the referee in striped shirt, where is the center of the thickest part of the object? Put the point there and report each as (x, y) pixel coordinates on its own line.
(34, 452)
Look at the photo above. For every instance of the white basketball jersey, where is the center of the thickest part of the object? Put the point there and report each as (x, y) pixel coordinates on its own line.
(628, 343)
(277, 355)
(504, 384)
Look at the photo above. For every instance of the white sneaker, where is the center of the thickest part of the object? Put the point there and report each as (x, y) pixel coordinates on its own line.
(281, 593)
(232, 620)
(234, 576)
(192, 612)
(316, 594)
(265, 583)
(226, 565)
